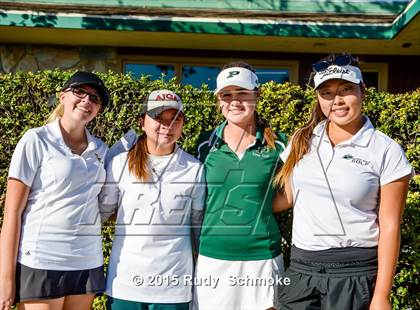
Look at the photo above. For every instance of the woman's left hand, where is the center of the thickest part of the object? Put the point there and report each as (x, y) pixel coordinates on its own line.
(380, 303)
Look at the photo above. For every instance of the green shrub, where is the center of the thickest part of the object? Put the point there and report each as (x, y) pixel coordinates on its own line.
(26, 99)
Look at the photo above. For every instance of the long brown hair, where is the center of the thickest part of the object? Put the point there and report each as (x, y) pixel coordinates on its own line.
(300, 145)
(302, 136)
(269, 135)
(137, 158)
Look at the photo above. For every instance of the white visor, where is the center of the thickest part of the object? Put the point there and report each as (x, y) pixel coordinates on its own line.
(236, 76)
(348, 73)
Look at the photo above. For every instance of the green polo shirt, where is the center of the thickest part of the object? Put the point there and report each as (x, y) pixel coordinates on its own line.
(239, 222)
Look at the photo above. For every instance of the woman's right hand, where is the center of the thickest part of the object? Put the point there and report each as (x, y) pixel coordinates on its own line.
(16, 198)
(7, 293)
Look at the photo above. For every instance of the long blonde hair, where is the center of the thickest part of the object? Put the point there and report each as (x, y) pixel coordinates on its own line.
(301, 138)
(56, 113)
(269, 135)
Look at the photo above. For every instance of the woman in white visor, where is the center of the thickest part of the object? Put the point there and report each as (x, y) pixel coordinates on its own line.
(347, 183)
(240, 260)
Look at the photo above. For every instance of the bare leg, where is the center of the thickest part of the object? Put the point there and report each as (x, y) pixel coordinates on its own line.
(79, 302)
(44, 304)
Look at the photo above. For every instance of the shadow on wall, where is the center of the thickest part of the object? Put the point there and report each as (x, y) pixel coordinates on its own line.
(50, 20)
(34, 20)
(160, 24)
(331, 6)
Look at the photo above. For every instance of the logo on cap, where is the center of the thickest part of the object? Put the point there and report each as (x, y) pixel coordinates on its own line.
(347, 73)
(236, 76)
(335, 70)
(167, 96)
(232, 74)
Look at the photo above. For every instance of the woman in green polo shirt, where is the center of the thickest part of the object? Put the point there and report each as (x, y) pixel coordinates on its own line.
(240, 259)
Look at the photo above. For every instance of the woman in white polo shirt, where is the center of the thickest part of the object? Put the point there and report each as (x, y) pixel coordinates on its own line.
(158, 190)
(347, 183)
(51, 249)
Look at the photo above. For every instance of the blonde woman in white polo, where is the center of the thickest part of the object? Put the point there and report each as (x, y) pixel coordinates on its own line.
(51, 249)
(347, 183)
(159, 192)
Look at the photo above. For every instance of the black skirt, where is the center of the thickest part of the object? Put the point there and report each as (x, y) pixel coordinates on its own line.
(36, 284)
(341, 278)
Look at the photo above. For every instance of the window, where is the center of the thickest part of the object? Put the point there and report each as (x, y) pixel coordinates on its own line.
(277, 75)
(156, 71)
(197, 75)
(371, 79)
(375, 75)
(195, 72)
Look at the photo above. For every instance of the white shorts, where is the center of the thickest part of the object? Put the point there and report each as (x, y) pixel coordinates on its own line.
(237, 285)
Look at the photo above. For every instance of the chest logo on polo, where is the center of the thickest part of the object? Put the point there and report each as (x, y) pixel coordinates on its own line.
(99, 158)
(356, 160)
(261, 152)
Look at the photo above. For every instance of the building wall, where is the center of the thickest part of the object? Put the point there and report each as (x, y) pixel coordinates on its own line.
(25, 57)
(402, 71)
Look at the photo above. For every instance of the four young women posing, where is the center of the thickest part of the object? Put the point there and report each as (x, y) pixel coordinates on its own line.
(346, 181)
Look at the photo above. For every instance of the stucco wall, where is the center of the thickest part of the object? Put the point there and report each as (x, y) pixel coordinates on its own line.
(25, 57)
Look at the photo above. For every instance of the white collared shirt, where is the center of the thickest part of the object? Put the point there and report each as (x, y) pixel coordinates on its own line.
(336, 189)
(153, 227)
(60, 224)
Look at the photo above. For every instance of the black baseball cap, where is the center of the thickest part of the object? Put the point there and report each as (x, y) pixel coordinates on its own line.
(91, 79)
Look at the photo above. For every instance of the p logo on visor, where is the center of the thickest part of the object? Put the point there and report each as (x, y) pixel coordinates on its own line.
(232, 74)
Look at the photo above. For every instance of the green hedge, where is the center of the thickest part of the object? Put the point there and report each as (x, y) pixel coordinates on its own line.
(26, 99)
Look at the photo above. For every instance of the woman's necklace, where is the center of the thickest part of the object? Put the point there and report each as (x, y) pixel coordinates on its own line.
(75, 147)
(78, 149)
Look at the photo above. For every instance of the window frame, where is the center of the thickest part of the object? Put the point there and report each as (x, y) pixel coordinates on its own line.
(382, 69)
(178, 62)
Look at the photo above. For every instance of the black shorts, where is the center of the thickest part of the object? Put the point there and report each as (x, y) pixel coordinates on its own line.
(35, 284)
(345, 285)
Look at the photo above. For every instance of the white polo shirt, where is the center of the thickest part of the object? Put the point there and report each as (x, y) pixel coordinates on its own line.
(61, 229)
(153, 228)
(336, 189)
